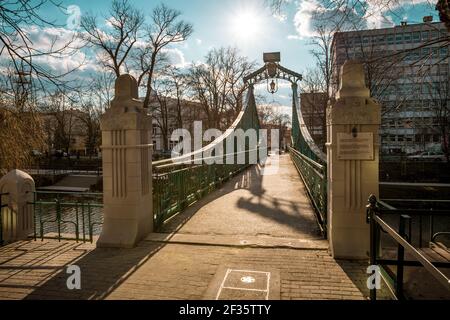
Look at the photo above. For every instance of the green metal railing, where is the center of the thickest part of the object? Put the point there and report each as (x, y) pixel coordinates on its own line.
(310, 162)
(179, 182)
(64, 215)
(177, 186)
(314, 177)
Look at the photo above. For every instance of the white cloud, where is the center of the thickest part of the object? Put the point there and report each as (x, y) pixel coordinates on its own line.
(65, 46)
(376, 14)
(198, 42)
(176, 57)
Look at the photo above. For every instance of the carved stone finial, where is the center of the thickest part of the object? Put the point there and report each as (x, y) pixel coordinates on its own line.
(353, 83)
(126, 87)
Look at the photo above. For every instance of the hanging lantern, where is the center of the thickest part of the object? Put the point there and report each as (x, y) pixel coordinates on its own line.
(272, 87)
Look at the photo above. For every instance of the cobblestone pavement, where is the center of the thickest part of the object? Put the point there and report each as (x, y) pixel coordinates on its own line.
(37, 270)
(253, 222)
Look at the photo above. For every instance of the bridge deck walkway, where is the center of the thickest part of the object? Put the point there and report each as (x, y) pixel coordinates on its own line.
(254, 222)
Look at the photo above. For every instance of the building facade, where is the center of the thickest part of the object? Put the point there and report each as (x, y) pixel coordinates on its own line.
(168, 113)
(313, 106)
(407, 71)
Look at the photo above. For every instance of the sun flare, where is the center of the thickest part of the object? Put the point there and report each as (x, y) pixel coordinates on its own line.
(246, 25)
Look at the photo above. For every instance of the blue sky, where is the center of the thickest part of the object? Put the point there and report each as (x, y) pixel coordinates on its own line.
(223, 23)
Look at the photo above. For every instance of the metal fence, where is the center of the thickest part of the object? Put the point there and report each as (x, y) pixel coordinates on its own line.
(314, 177)
(63, 215)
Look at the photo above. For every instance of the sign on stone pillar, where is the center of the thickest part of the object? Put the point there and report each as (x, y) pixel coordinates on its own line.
(127, 178)
(353, 121)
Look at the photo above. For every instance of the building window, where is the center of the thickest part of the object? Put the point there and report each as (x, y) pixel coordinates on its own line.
(390, 39)
(425, 35)
(416, 36)
(398, 38)
(418, 138)
(443, 52)
(434, 34)
(407, 37)
(436, 138)
(400, 138)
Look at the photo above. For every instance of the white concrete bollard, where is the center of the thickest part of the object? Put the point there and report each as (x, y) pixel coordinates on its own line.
(18, 216)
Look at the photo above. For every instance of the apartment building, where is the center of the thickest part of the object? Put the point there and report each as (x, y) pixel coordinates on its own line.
(407, 71)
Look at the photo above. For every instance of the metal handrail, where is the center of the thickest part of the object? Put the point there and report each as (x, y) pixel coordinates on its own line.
(311, 161)
(438, 234)
(377, 224)
(435, 272)
(215, 157)
(314, 178)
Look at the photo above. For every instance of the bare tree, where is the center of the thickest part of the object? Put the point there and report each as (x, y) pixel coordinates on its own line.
(439, 93)
(58, 109)
(177, 84)
(324, 55)
(443, 6)
(163, 109)
(217, 84)
(165, 29)
(114, 43)
(19, 50)
(26, 76)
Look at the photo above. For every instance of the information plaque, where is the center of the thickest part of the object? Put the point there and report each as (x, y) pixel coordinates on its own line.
(350, 147)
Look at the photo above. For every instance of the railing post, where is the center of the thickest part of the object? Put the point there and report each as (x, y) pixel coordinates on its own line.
(404, 219)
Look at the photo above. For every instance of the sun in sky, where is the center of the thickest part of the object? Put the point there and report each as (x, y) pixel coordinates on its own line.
(246, 24)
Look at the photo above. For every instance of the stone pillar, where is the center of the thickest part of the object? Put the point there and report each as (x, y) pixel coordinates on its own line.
(353, 121)
(127, 178)
(18, 217)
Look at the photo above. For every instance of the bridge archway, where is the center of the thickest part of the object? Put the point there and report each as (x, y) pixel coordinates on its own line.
(301, 139)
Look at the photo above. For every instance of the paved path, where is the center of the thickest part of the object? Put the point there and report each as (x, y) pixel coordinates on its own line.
(252, 204)
(253, 223)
